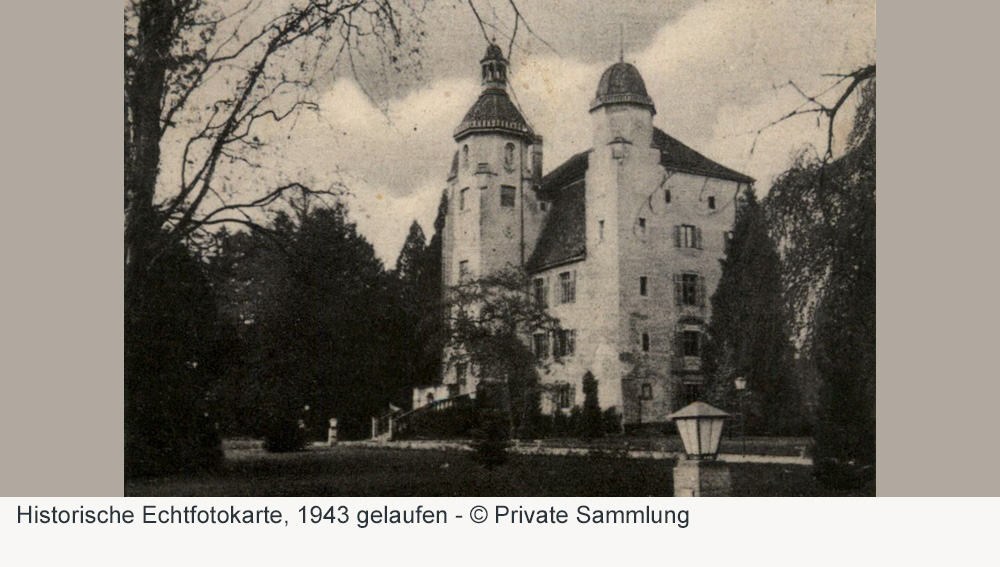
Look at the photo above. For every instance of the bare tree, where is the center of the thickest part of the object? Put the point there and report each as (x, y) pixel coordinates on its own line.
(175, 49)
(844, 85)
(205, 81)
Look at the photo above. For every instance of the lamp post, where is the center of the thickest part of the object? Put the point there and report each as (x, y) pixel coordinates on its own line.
(741, 386)
(699, 473)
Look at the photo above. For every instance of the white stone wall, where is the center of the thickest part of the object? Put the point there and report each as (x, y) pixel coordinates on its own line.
(487, 235)
(629, 234)
(626, 192)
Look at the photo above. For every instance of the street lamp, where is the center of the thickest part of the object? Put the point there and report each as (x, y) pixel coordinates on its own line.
(741, 386)
(699, 473)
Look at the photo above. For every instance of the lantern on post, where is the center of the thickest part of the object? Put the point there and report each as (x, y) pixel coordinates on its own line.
(699, 473)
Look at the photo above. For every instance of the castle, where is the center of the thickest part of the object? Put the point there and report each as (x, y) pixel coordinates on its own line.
(622, 243)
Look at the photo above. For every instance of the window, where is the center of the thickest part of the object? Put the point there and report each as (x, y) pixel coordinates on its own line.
(465, 156)
(540, 345)
(461, 369)
(565, 343)
(507, 196)
(666, 196)
(711, 202)
(643, 286)
(541, 292)
(567, 285)
(508, 157)
(642, 228)
(691, 343)
(727, 240)
(461, 198)
(689, 289)
(647, 391)
(543, 205)
(463, 270)
(645, 342)
(564, 396)
(600, 230)
(687, 236)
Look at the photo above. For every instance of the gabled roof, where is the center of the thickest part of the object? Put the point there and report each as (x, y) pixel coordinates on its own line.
(563, 237)
(676, 156)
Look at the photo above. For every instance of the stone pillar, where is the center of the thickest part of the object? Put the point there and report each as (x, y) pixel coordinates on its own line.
(702, 478)
(331, 433)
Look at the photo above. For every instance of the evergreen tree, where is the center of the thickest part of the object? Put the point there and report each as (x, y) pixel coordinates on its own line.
(748, 331)
(176, 346)
(593, 425)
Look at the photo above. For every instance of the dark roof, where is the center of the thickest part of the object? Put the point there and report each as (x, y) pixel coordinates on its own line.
(677, 157)
(494, 111)
(563, 238)
(571, 170)
(621, 83)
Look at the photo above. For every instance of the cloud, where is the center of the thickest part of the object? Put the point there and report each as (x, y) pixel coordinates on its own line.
(717, 73)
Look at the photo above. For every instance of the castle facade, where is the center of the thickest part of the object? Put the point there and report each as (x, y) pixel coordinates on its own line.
(622, 243)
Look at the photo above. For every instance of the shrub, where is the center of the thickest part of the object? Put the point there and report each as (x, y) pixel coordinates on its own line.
(491, 439)
(284, 434)
(591, 419)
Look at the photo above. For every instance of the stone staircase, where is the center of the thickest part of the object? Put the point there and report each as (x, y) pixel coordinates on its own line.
(397, 423)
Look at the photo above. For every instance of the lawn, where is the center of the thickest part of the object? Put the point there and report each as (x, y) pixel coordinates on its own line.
(355, 471)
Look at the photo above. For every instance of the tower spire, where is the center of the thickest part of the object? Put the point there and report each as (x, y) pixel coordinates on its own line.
(621, 42)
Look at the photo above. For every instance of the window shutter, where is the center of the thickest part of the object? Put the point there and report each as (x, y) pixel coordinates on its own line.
(701, 291)
(678, 289)
(697, 237)
(677, 236)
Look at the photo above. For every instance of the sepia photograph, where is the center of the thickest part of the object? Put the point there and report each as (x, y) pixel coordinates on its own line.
(517, 248)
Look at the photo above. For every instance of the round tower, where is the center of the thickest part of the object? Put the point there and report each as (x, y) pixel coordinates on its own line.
(622, 110)
(493, 203)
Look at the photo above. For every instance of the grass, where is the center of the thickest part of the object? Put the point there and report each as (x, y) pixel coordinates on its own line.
(353, 471)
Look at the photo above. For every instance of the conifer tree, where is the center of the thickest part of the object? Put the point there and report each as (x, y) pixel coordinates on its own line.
(748, 331)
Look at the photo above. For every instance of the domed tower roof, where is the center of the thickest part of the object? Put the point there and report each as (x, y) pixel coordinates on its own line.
(621, 83)
(494, 111)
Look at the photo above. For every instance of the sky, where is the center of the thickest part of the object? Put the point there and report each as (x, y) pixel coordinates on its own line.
(717, 71)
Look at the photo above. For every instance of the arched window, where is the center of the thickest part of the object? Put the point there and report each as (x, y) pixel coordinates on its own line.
(465, 156)
(508, 156)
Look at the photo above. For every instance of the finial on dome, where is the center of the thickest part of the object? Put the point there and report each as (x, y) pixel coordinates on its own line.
(621, 43)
